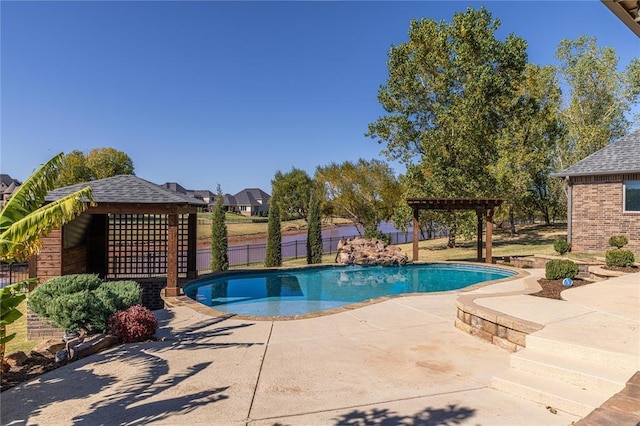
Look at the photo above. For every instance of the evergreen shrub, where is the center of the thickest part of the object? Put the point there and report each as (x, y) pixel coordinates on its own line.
(618, 241)
(82, 302)
(135, 324)
(619, 257)
(561, 246)
(561, 268)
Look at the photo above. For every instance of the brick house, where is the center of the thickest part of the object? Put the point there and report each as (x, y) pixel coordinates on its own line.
(7, 186)
(604, 196)
(248, 202)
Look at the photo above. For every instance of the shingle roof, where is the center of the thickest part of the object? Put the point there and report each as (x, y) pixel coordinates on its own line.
(621, 156)
(8, 180)
(128, 189)
(249, 196)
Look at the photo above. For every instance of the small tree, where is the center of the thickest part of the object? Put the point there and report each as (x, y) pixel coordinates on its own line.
(618, 257)
(314, 231)
(219, 242)
(618, 241)
(273, 256)
(561, 246)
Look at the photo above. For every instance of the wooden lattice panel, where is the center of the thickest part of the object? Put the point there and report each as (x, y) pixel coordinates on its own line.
(137, 245)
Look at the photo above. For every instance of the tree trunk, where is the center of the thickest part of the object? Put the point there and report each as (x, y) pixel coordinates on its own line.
(512, 221)
(452, 236)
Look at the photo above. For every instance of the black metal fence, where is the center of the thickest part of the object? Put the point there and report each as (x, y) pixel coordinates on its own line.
(254, 254)
(11, 273)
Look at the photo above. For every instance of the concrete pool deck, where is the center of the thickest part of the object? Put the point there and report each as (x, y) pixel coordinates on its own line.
(400, 361)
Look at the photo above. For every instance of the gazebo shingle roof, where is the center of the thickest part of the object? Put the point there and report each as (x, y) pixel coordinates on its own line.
(621, 156)
(126, 189)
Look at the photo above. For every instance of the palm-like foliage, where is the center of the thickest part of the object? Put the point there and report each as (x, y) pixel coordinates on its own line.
(23, 221)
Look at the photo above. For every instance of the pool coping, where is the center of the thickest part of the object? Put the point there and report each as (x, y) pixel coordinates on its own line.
(183, 300)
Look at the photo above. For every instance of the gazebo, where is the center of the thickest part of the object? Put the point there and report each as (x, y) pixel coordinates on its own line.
(484, 207)
(136, 230)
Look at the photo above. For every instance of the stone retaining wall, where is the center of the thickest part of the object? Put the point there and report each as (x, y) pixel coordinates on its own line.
(502, 330)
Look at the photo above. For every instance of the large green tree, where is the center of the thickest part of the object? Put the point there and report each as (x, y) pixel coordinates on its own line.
(219, 240)
(23, 221)
(74, 169)
(526, 145)
(446, 97)
(294, 188)
(600, 96)
(99, 163)
(365, 192)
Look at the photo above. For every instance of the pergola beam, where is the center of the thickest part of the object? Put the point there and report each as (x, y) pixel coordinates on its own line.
(482, 206)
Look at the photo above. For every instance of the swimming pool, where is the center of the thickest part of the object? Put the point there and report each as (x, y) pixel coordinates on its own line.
(308, 290)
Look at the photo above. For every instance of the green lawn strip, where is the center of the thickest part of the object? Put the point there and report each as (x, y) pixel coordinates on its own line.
(20, 342)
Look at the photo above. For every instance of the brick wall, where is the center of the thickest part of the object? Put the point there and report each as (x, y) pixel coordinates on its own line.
(152, 292)
(40, 329)
(597, 214)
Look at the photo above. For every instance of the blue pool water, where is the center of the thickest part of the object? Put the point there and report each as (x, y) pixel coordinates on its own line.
(307, 290)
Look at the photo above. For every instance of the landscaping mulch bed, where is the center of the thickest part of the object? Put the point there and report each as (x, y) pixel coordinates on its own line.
(35, 365)
(626, 269)
(552, 288)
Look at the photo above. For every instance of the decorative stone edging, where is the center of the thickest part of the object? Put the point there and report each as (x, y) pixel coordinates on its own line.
(598, 273)
(500, 329)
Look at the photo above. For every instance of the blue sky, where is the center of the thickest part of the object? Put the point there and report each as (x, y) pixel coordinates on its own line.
(205, 93)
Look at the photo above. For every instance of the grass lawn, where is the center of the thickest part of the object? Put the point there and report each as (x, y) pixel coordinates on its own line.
(20, 342)
(531, 240)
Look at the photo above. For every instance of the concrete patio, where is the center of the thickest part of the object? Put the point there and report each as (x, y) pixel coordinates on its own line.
(400, 361)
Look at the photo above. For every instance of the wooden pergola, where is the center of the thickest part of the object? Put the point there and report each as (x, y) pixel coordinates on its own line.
(482, 206)
(137, 229)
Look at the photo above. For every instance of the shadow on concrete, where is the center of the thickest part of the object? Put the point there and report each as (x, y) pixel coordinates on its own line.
(450, 415)
(199, 335)
(142, 387)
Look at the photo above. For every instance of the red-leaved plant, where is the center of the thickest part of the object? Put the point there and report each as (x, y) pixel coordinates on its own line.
(136, 324)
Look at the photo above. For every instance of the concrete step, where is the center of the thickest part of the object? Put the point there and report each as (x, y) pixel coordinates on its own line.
(576, 351)
(605, 378)
(549, 392)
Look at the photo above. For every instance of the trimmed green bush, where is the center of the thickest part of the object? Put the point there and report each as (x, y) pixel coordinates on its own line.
(561, 246)
(82, 302)
(40, 298)
(558, 269)
(618, 241)
(119, 295)
(75, 312)
(619, 257)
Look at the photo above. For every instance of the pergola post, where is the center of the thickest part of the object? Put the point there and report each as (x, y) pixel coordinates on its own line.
(416, 233)
(489, 258)
(479, 247)
(192, 237)
(172, 256)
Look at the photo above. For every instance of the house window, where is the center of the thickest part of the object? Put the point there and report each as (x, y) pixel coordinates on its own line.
(243, 208)
(632, 196)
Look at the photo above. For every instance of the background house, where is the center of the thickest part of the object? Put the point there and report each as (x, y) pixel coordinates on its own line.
(7, 186)
(248, 202)
(205, 195)
(604, 196)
